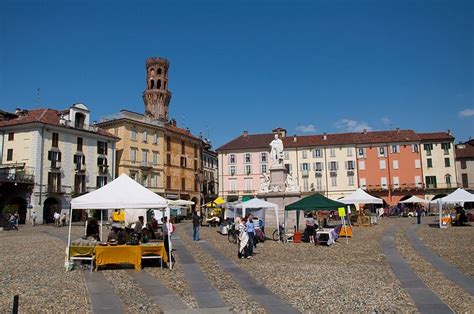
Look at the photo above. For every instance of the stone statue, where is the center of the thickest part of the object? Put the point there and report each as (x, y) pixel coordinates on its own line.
(276, 151)
(290, 184)
(265, 183)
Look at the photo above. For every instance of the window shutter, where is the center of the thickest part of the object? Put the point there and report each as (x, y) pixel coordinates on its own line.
(337, 165)
(346, 164)
(49, 155)
(59, 156)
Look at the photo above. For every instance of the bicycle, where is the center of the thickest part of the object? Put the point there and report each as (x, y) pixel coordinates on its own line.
(232, 234)
(283, 237)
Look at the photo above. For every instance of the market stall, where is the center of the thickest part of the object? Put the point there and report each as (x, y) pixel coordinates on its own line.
(122, 192)
(357, 197)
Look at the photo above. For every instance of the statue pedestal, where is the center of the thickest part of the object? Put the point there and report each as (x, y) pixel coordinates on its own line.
(277, 178)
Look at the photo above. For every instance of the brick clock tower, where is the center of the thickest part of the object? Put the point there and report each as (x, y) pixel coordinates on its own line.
(156, 95)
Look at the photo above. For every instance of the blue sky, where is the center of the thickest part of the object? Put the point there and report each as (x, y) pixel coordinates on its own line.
(307, 66)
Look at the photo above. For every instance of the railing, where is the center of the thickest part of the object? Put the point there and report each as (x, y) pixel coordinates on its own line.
(103, 169)
(132, 116)
(146, 164)
(17, 175)
(87, 127)
(304, 173)
(55, 164)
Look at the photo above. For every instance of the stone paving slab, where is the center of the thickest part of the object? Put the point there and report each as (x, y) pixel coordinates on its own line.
(442, 266)
(424, 298)
(102, 296)
(269, 301)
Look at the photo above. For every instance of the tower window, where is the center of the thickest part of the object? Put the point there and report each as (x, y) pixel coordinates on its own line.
(158, 84)
(159, 71)
(152, 84)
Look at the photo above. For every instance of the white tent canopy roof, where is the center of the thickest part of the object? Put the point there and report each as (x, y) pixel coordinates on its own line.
(359, 196)
(256, 203)
(414, 199)
(179, 202)
(122, 192)
(458, 196)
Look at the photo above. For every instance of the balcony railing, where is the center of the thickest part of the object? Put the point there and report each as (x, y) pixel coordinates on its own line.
(52, 188)
(146, 164)
(17, 175)
(304, 173)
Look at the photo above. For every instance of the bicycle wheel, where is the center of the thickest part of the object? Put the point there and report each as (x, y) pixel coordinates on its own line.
(275, 235)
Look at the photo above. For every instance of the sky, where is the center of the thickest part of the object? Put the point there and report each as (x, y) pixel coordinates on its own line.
(307, 66)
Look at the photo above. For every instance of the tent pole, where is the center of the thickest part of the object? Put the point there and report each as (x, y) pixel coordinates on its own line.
(69, 234)
(277, 222)
(101, 223)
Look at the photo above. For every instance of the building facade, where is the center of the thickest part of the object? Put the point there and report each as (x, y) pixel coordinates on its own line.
(52, 156)
(387, 164)
(153, 150)
(465, 165)
(210, 171)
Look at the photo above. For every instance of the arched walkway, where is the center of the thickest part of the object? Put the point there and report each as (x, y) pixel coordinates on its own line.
(20, 206)
(51, 205)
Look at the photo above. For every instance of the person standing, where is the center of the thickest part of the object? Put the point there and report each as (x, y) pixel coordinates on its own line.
(33, 218)
(196, 226)
(63, 220)
(418, 214)
(56, 217)
(167, 230)
(251, 234)
(243, 238)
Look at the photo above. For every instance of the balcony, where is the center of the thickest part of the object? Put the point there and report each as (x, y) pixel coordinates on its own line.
(55, 164)
(146, 164)
(333, 173)
(19, 174)
(103, 169)
(350, 173)
(52, 188)
(86, 127)
(304, 173)
(80, 168)
(318, 174)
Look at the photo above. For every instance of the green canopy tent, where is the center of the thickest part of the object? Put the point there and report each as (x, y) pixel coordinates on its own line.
(312, 203)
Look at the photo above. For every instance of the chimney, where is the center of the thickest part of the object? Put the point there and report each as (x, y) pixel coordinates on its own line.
(449, 132)
(325, 137)
(398, 130)
(364, 131)
(245, 133)
(294, 138)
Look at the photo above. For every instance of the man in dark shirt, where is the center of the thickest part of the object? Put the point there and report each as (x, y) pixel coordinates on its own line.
(196, 225)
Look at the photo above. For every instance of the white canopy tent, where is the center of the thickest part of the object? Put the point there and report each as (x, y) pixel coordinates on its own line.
(458, 196)
(360, 196)
(122, 192)
(256, 203)
(179, 202)
(414, 199)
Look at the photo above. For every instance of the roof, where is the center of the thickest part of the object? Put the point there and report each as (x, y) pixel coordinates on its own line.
(467, 151)
(248, 141)
(315, 202)
(436, 136)
(46, 116)
(181, 131)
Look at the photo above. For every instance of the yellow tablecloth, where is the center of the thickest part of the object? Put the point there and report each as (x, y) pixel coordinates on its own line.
(127, 254)
(81, 250)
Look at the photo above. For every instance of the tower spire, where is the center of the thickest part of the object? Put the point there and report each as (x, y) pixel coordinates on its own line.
(156, 95)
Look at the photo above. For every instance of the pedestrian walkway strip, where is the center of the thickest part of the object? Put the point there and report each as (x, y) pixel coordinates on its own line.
(442, 266)
(103, 298)
(161, 296)
(425, 300)
(269, 301)
(204, 292)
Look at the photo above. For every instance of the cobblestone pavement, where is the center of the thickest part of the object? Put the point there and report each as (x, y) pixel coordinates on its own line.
(353, 277)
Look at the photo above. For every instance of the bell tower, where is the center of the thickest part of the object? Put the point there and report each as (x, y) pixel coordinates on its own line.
(156, 95)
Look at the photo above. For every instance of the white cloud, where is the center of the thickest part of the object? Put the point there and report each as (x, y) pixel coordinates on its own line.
(305, 128)
(349, 125)
(466, 113)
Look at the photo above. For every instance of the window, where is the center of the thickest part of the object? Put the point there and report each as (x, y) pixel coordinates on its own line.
(431, 182)
(447, 179)
(101, 148)
(11, 136)
(350, 165)
(318, 166)
(316, 153)
(263, 157)
(55, 139)
(286, 155)
(133, 154)
(414, 148)
(428, 148)
(349, 152)
(133, 134)
(54, 155)
(429, 163)
(10, 154)
(395, 149)
(304, 166)
(101, 181)
(168, 143)
(383, 182)
(54, 182)
(333, 181)
(319, 184)
(361, 165)
(396, 182)
(183, 162)
(350, 180)
(183, 184)
(144, 136)
(395, 164)
(79, 160)
(447, 162)
(362, 183)
(248, 184)
(247, 158)
(168, 182)
(382, 164)
(360, 152)
(305, 184)
(79, 144)
(145, 180)
(263, 168)
(144, 156)
(233, 185)
(304, 154)
(464, 180)
(248, 169)
(463, 164)
(289, 168)
(80, 183)
(232, 159)
(381, 151)
(154, 180)
(155, 158)
(232, 170)
(446, 147)
(333, 165)
(155, 138)
(183, 148)
(417, 181)
(332, 152)
(417, 164)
